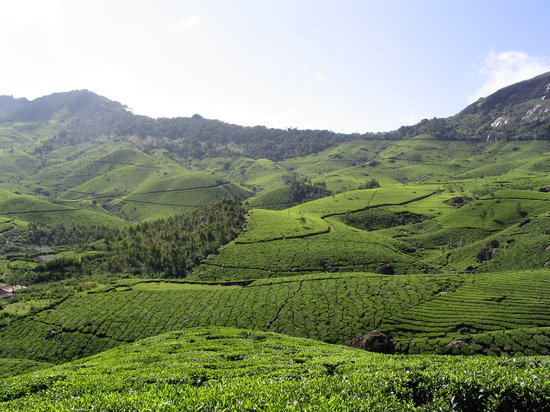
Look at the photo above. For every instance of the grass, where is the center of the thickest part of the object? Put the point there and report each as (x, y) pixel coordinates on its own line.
(23, 308)
(219, 369)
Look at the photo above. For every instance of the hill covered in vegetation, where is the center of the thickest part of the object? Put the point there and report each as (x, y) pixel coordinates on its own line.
(235, 369)
(143, 242)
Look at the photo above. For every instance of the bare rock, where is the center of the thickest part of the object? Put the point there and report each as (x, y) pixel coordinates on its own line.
(373, 341)
(485, 254)
(524, 222)
(493, 243)
(469, 269)
(386, 269)
(459, 201)
(454, 345)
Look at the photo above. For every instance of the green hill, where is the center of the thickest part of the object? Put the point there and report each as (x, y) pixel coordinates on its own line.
(123, 228)
(235, 369)
(41, 210)
(327, 307)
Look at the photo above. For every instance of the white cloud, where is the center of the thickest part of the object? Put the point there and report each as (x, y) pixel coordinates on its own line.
(505, 68)
(185, 24)
(32, 13)
(321, 76)
(314, 78)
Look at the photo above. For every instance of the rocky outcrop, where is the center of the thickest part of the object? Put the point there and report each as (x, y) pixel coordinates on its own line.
(373, 341)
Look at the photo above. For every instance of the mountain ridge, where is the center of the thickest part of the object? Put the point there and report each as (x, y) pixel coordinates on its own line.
(517, 112)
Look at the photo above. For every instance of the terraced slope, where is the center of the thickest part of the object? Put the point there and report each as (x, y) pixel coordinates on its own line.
(328, 307)
(13, 367)
(14, 208)
(483, 303)
(234, 369)
(520, 246)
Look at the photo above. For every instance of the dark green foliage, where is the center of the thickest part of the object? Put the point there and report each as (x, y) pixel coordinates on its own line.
(303, 190)
(52, 235)
(172, 247)
(370, 184)
(328, 307)
(375, 219)
(53, 270)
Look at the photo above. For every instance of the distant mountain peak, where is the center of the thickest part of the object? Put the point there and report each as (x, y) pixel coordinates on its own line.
(537, 88)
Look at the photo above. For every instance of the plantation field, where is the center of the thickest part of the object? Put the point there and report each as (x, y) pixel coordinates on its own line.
(342, 248)
(13, 367)
(484, 302)
(267, 225)
(235, 369)
(327, 307)
(39, 210)
(519, 248)
(363, 199)
(494, 214)
(276, 199)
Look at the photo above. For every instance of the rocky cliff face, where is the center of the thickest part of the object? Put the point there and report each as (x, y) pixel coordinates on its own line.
(517, 112)
(523, 108)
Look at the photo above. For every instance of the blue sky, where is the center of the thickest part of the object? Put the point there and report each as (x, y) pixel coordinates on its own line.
(343, 65)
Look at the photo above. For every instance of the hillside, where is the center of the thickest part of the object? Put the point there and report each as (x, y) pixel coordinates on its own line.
(133, 246)
(235, 369)
(517, 112)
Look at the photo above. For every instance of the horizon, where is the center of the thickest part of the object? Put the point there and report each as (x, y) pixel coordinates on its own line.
(351, 67)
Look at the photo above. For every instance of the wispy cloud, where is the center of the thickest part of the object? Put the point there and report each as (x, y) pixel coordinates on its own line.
(320, 76)
(185, 24)
(505, 68)
(32, 13)
(314, 78)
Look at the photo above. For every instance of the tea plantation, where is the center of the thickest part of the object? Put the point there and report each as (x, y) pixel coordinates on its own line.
(437, 309)
(144, 292)
(217, 369)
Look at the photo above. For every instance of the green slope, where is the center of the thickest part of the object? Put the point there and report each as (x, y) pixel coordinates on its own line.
(39, 209)
(233, 369)
(328, 307)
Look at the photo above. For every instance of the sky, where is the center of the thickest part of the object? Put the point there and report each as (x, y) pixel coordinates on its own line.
(341, 65)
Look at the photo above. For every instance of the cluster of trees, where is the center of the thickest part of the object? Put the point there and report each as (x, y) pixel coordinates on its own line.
(60, 234)
(170, 247)
(91, 117)
(174, 246)
(88, 116)
(303, 190)
(370, 184)
(37, 235)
